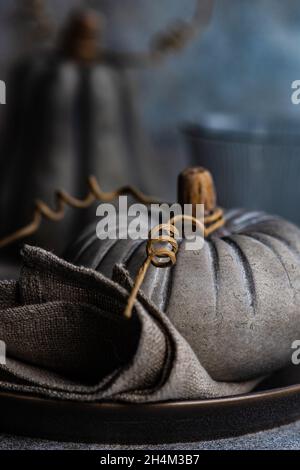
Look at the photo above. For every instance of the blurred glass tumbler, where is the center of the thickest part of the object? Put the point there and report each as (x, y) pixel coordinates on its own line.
(256, 164)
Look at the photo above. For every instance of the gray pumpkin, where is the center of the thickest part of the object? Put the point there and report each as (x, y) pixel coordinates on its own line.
(69, 116)
(236, 301)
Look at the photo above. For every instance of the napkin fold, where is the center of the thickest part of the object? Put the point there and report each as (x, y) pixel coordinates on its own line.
(67, 338)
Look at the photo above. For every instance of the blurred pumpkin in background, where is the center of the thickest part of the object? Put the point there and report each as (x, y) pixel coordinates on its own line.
(69, 115)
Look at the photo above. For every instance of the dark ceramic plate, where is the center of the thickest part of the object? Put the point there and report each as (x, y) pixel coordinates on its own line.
(276, 402)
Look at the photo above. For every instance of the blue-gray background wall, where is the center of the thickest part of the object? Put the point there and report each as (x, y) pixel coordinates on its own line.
(244, 62)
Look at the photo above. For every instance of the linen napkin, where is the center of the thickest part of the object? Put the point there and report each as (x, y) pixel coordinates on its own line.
(67, 338)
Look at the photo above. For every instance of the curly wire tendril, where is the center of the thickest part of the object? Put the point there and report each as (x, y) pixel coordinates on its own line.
(162, 247)
(63, 199)
(36, 12)
(178, 35)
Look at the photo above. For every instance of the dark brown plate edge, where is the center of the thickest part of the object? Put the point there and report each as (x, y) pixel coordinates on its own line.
(150, 423)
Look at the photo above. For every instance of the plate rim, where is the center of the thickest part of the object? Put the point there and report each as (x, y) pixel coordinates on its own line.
(121, 423)
(278, 392)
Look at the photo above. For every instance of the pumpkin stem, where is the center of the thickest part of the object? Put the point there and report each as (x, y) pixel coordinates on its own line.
(79, 39)
(196, 186)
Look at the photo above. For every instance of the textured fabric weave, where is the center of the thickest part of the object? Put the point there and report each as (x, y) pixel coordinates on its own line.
(67, 338)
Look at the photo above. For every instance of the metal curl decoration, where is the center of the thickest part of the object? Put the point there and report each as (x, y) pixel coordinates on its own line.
(166, 255)
(63, 199)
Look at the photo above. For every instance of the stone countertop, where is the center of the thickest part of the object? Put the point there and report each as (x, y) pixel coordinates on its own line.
(282, 438)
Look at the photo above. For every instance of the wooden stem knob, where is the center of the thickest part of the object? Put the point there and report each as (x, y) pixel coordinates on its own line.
(196, 186)
(80, 36)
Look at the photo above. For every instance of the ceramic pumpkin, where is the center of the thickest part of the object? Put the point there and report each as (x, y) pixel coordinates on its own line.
(236, 300)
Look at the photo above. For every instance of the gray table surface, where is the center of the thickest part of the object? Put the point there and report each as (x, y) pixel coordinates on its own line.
(282, 438)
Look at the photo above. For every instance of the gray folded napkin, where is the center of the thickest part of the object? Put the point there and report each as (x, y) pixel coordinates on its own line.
(67, 338)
